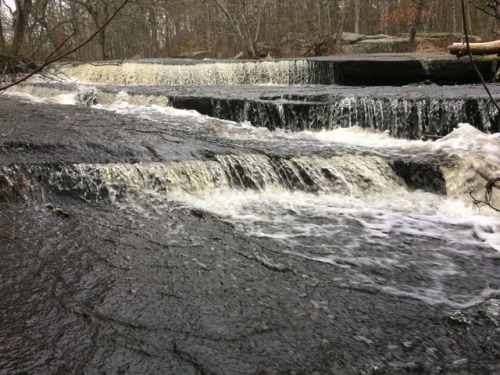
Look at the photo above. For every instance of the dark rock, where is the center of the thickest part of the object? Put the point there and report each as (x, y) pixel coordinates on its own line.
(421, 176)
(198, 55)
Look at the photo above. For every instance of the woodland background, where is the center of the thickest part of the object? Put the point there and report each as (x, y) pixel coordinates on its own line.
(30, 30)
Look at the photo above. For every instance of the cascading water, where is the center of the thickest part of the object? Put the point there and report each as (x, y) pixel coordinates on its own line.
(325, 206)
(277, 72)
(410, 113)
(349, 174)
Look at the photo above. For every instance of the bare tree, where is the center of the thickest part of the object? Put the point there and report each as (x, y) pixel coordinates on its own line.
(2, 36)
(340, 26)
(22, 14)
(247, 23)
(161, 28)
(63, 50)
(99, 12)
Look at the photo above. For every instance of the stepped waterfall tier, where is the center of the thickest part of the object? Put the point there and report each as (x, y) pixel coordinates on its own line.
(343, 70)
(405, 112)
(266, 217)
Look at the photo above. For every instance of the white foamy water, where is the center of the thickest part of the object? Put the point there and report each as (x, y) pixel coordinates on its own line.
(407, 243)
(465, 141)
(386, 233)
(468, 146)
(372, 236)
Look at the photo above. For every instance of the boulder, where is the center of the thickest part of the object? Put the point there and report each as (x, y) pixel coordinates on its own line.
(351, 38)
(264, 50)
(198, 55)
(386, 45)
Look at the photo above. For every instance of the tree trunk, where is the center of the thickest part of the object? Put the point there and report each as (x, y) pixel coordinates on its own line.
(415, 23)
(495, 6)
(2, 38)
(357, 16)
(101, 38)
(23, 10)
(153, 24)
(384, 26)
(454, 16)
(340, 26)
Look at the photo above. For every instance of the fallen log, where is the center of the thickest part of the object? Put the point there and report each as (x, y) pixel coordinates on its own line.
(484, 48)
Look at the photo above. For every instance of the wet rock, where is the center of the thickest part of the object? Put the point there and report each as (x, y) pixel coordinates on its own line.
(351, 38)
(139, 284)
(421, 176)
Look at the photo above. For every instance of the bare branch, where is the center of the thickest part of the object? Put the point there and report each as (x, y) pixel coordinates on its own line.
(11, 11)
(485, 11)
(493, 182)
(466, 33)
(229, 17)
(53, 57)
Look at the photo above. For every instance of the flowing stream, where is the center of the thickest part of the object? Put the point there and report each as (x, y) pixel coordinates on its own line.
(385, 216)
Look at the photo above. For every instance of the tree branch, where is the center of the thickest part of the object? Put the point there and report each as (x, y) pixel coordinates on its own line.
(466, 33)
(493, 182)
(482, 9)
(53, 57)
(229, 17)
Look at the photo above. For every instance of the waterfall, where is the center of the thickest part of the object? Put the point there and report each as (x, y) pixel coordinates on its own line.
(403, 117)
(215, 88)
(157, 234)
(210, 72)
(347, 174)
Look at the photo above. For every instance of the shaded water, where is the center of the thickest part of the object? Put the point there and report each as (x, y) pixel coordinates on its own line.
(250, 252)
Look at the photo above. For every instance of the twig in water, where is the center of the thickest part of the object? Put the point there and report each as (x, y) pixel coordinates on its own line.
(494, 182)
(9, 236)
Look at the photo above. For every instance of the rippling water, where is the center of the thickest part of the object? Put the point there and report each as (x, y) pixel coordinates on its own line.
(331, 200)
(385, 237)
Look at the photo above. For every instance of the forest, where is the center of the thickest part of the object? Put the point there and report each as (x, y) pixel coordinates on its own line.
(31, 30)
